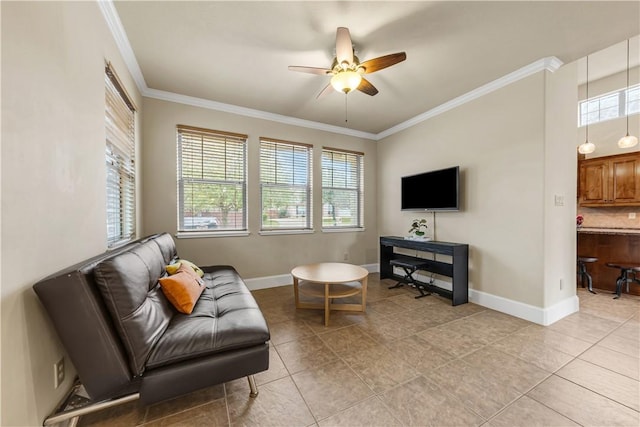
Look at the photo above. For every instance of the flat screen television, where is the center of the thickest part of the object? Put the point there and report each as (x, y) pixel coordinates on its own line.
(431, 191)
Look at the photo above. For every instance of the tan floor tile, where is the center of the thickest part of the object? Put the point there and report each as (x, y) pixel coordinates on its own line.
(549, 338)
(613, 360)
(506, 370)
(387, 330)
(409, 302)
(602, 308)
(533, 351)
(288, 331)
(420, 402)
(207, 415)
(185, 402)
(581, 405)
(278, 404)
(630, 330)
(378, 368)
(371, 412)
(129, 414)
(305, 353)
(386, 307)
(452, 342)
(526, 412)
(276, 371)
(616, 387)
(475, 389)
(330, 388)
(586, 327)
(419, 353)
(347, 340)
(621, 344)
(495, 325)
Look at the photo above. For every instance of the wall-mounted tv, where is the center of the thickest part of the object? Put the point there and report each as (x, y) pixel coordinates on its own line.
(431, 191)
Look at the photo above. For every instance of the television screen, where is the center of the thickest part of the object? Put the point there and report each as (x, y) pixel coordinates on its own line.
(431, 191)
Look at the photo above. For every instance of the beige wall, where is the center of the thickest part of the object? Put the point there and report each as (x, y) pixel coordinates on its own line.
(53, 180)
(498, 142)
(560, 175)
(255, 255)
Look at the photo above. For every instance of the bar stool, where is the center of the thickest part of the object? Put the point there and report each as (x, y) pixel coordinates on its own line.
(628, 272)
(583, 273)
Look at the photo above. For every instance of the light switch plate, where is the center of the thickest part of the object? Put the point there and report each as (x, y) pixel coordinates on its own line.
(632, 215)
(559, 200)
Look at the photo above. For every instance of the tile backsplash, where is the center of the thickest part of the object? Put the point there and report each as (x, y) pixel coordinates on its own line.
(610, 217)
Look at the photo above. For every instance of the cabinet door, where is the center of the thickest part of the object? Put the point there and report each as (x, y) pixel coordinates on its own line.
(625, 183)
(594, 186)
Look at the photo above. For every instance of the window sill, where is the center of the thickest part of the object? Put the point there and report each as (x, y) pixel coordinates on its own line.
(281, 232)
(207, 234)
(342, 230)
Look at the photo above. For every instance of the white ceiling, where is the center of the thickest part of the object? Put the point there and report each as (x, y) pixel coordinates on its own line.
(237, 52)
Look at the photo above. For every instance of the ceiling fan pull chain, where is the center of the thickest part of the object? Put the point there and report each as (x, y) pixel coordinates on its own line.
(346, 117)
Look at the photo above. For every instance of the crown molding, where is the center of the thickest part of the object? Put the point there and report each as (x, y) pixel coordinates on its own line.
(249, 112)
(122, 41)
(549, 64)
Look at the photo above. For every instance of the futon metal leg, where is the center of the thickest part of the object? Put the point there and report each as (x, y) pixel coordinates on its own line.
(252, 386)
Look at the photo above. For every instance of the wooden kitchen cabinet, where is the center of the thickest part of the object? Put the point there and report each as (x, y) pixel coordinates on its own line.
(609, 181)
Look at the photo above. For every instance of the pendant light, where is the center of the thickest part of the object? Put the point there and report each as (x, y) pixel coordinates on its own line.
(587, 147)
(627, 141)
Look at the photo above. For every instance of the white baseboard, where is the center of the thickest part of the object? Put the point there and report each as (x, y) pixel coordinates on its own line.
(286, 279)
(541, 316)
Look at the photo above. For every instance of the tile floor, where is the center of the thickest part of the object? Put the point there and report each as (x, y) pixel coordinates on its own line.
(409, 362)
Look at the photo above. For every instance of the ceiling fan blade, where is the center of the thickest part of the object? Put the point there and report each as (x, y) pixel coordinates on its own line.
(373, 65)
(344, 46)
(367, 87)
(310, 70)
(327, 89)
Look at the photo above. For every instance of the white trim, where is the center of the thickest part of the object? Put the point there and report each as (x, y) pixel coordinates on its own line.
(122, 41)
(550, 64)
(286, 279)
(268, 282)
(207, 234)
(342, 230)
(110, 14)
(524, 311)
(250, 112)
(281, 232)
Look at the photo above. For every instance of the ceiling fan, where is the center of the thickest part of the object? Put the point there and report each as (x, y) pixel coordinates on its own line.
(347, 70)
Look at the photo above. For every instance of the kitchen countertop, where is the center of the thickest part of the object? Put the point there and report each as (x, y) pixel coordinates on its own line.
(594, 230)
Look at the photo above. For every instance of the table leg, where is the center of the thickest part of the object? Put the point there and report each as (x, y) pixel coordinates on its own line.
(326, 304)
(364, 293)
(295, 291)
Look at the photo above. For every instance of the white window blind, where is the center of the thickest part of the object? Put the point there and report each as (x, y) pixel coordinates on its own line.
(120, 162)
(285, 185)
(212, 184)
(342, 189)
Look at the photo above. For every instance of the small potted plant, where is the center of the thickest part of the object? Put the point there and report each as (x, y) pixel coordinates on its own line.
(418, 229)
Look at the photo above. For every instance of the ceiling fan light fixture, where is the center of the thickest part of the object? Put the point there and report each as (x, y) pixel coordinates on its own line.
(346, 81)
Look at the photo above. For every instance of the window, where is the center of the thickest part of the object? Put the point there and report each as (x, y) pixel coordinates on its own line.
(342, 189)
(120, 161)
(610, 106)
(285, 185)
(212, 184)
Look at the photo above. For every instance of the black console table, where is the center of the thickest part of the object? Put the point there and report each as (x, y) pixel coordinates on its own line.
(458, 269)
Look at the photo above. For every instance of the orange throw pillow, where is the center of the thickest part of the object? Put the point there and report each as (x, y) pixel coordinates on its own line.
(183, 288)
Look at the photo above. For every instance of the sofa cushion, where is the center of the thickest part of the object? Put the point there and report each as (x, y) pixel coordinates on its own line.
(183, 288)
(128, 283)
(225, 317)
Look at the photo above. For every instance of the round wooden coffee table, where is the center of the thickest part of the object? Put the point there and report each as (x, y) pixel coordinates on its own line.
(340, 281)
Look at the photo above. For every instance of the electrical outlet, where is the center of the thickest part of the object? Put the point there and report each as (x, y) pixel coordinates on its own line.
(632, 215)
(560, 284)
(58, 373)
(345, 256)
